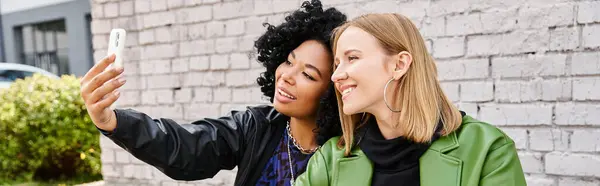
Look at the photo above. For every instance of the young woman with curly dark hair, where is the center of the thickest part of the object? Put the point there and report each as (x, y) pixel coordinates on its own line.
(270, 145)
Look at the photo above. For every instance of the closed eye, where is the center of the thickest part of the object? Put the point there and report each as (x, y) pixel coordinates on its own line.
(308, 76)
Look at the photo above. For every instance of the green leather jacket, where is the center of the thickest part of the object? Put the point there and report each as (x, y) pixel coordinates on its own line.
(475, 154)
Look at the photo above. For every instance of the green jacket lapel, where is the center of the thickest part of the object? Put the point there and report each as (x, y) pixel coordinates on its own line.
(437, 168)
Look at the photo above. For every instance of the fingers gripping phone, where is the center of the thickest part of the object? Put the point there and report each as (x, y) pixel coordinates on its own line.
(116, 44)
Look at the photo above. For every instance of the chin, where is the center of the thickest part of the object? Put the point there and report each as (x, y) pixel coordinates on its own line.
(349, 109)
(286, 109)
(281, 108)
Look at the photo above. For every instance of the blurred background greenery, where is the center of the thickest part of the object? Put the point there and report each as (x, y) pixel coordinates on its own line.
(47, 136)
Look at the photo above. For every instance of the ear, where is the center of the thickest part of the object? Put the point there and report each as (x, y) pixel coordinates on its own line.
(402, 61)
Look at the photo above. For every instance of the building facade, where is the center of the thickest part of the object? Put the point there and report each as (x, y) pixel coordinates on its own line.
(50, 34)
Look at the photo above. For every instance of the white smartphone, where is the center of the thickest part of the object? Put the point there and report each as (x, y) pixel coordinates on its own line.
(116, 44)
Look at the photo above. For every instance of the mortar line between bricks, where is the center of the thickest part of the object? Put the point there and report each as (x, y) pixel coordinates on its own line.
(588, 178)
(566, 51)
(571, 176)
(552, 127)
(526, 54)
(544, 152)
(535, 103)
(452, 59)
(496, 79)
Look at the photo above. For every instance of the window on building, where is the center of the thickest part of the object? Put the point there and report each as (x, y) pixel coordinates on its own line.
(45, 45)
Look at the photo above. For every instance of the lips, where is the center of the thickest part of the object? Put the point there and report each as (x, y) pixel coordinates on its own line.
(285, 93)
(346, 90)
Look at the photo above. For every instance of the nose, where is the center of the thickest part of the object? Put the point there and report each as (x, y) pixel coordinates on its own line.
(288, 77)
(339, 75)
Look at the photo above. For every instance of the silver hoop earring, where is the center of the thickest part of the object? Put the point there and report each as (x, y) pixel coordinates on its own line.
(385, 96)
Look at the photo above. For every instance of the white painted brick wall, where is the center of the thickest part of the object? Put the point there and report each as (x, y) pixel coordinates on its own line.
(540, 181)
(111, 10)
(572, 164)
(518, 91)
(532, 162)
(142, 6)
(98, 12)
(199, 63)
(591, 36)
(564, 38)
(556, 89)
(588, 12)
(463, 69)
(477, 91)
(586, 89)
(545, 139)
(449, 47)
(577, 114)
(451, 90)
(530, 67)
(126, 8)
(586, 141)
(576, 182)
(585, 63)
(519, 136)
(511, 114)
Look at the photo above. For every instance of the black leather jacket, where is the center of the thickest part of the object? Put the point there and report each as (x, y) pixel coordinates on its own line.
(199, 150)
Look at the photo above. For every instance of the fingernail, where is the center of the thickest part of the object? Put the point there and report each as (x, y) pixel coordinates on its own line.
(117, 93)
(121, 80)
(120, 69)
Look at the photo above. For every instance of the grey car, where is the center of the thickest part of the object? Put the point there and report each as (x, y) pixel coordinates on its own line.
(9, 72)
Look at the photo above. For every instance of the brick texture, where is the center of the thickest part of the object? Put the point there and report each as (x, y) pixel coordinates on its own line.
(530, 67)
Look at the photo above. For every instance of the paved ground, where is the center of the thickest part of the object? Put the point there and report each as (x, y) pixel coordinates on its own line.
(97, 183)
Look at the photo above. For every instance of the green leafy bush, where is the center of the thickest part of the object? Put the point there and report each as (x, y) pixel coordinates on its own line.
(45, 132)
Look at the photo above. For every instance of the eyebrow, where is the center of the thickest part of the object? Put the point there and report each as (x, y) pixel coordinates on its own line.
(308, 65)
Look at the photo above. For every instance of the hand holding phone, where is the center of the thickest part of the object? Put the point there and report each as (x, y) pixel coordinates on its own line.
(99, 85)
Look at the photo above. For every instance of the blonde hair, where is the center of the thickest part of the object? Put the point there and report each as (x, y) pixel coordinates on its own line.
(420, 98)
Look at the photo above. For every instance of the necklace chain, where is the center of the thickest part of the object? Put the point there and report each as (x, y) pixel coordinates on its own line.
(289, 152)
(304, 151)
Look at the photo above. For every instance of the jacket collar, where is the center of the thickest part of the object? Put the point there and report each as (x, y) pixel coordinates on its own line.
(436, 166)
(449, 142)
(445, 144)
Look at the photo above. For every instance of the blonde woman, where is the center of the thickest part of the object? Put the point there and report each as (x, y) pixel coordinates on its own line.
(399, 128)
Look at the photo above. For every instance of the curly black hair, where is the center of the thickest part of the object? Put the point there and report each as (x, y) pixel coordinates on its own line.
(310, 22)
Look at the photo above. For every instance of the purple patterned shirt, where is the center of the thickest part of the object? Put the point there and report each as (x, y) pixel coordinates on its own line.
(277, 169)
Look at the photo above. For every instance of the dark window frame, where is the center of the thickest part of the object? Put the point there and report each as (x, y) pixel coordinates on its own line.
(42, 56)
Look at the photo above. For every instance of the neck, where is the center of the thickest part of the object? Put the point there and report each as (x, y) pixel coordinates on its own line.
(302, 131)
(386, 122)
